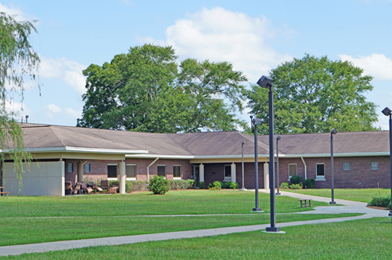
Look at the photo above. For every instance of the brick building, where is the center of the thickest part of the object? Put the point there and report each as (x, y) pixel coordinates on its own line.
(361, 159)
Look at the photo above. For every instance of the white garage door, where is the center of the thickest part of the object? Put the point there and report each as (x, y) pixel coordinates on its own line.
(42, 179)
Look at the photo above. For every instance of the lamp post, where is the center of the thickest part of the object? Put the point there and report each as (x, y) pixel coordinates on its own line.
(266, 82)
(333, 132)
(277, 164)
(256, 122)
(243, 178)
(388, 112)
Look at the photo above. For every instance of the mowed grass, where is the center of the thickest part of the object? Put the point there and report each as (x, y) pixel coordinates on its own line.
(361, 195)
(42, 219)
(359, 239)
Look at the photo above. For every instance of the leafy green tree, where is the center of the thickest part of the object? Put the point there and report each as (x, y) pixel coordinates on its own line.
(18, 61)
(313, 95)
(145, 90)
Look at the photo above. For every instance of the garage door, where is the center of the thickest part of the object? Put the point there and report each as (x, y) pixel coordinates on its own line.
(42, 179)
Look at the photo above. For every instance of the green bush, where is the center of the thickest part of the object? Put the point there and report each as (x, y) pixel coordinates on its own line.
(309, 183)
(178, 184)
(114, 183)
(158, 185)
(216, 185)
(191, 183)
(284, 185)
(231, 185)
(295, 179)
(139, 186)
(295, 186)
(380, 201)
(128, 186)
(202, 185)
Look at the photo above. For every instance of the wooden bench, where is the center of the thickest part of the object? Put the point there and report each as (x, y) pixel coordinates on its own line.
(2, 193)
(305, 203)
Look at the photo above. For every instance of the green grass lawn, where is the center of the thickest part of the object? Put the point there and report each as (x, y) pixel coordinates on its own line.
(43, 219)
(362, 195)
(359, 239)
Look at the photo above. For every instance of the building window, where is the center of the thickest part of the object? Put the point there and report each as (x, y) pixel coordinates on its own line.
(131, 171)
(176, 172)
(292, 170)
(228, 172)
(112, 171)
(70, 167)
(346, 166)
(87, 167)
(374, 166)
(320, 173)
(162, 170)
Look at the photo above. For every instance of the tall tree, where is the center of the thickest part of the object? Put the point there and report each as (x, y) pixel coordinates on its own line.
(145, 90)
(313, 95)
(18, 60)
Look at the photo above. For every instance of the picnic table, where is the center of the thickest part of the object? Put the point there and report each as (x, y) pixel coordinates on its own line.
(305, 202)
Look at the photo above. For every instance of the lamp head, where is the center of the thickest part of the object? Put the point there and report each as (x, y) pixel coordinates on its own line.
(265, 82)
(278, 137)
(257, 121)
(387, 111)
(334, 131)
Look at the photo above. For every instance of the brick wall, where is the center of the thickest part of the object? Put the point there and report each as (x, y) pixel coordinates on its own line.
(98, 168)
(360, 174)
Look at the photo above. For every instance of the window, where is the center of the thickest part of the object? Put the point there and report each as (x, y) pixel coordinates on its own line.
(320, 174)
(346, 166)
(161, 170)
(227, 172)
(177, 171)
(374, 166)
(70, 167)
(131, 171)
(87, 167)
(292, 170)
(112, 171)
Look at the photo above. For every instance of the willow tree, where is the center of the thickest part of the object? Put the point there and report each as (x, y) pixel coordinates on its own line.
(18, 62)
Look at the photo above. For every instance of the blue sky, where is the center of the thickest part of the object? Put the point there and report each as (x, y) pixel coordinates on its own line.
(255, 36)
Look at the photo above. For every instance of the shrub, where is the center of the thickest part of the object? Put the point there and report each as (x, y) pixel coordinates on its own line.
(216, 185)
(295, 186)
(295, 179)
(284, 185)
(139, 186)
(231, 185)
(191, 183)
(309, 183)
(380, 201)
(158, 185)
(128, 186)
(178, 184)
(114, 183)
(227, 184)
(202, 185)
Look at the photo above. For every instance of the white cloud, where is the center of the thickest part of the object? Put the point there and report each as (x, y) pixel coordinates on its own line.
(18, 14)
(66, 70)
(17, 109)
(218, 34)
(376, 65)
(73, 113)
(51, 110)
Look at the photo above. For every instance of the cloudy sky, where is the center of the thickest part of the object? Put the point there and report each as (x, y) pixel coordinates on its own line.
(255, 36)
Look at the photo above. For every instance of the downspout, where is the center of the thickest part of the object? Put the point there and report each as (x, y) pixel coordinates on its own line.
(306, 171)
(148, 168)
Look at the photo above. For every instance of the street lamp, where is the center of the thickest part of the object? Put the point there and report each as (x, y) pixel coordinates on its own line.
(243, 178)
(277, 164)
(256, 122)
(266, 82)
(333, 132)
(388, 112)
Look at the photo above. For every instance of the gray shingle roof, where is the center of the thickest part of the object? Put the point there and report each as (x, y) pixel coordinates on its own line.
(200, 144)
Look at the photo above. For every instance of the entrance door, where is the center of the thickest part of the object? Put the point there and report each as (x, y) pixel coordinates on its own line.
(196, 175)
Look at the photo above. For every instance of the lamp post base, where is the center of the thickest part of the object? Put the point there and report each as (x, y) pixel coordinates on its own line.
(332, 202)
(256, 210)
(278, 193)
(273, 230)
(243, 189)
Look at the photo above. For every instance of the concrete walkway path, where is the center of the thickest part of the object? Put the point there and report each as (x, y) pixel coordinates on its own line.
(349, 207)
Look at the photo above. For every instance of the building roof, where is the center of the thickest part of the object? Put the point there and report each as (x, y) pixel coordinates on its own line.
(50, 137)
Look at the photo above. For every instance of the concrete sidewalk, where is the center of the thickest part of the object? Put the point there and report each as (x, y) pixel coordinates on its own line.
(349, 207)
